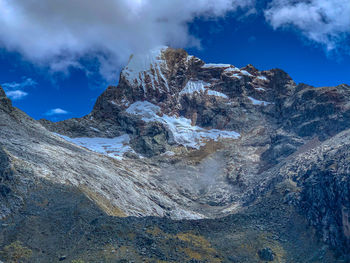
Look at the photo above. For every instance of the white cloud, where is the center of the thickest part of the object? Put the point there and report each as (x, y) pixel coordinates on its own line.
(15, 90)
(19, 85)
(16, 94)
(57, 111)
(78, 33)
(60, 33)
(326, 22)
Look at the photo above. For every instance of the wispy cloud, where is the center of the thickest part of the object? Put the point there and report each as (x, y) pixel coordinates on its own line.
(326, 22)
(15, 90)
(28, 82)
(54, 34)
(16, 94)
(57, 111)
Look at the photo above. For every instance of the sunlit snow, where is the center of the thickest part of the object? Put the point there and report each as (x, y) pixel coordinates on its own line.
(201, 87)
(113, 147)
(262, 78)
(139, 64)
(244, 72)
(184, 133)
(234, 72)
(212, 65)
(259, 102)
(260, 89)
(234, 69)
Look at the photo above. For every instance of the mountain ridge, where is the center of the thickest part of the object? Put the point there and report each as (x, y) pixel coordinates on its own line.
(185, 140)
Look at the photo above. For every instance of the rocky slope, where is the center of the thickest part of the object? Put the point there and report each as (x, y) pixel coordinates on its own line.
(255, 166)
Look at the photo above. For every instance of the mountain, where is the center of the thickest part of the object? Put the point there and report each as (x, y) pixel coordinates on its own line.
(183, 161)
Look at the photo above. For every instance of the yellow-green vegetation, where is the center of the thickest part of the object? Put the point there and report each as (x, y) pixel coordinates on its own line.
(199, 248)
(156, 231)
(253, 242)
(16, 252)
(196, 246)
(197, 241)
(103, 203)
(265, 240)
(204, 151)
(110, 253)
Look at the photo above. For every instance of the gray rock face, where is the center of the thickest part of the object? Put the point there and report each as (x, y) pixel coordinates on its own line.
(60, 221)
(215, 96)
(6, 181)
(266, 254)
(12, 187)
(5, 103)
(185, 160)
(152, 140)
(317, 111)
(2, 92)
(322, 179)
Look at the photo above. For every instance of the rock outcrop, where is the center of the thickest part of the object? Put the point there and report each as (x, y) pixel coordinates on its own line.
(182, 139)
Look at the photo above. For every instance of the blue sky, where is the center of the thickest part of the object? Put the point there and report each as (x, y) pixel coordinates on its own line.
(50, 83)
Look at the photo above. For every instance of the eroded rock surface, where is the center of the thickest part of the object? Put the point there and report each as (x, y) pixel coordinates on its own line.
(182, 139)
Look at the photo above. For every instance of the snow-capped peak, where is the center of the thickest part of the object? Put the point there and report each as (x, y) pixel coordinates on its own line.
(141, 65)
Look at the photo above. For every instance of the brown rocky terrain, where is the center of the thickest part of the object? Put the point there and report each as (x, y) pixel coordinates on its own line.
(183, 161)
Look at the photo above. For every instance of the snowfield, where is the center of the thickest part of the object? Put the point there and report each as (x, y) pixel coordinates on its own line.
(259, 102)
(201, 87)
(212, 65)
(184, 133)
(181, 128)
(113, 147)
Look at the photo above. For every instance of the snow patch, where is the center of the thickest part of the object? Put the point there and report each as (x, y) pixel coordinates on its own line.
(145, 109)
(212, 65)
(194, 86)
(234, 69)
(259, 102)
(189, 58)
(141, 64)
(125, 102)
(184, 133)
(168, 153)
(260, 89)
(246, 73)
(113, 147)
(216, 93)
(234, 72)
(200, 87)
(262, 78)
(236, 76)
(231, 208)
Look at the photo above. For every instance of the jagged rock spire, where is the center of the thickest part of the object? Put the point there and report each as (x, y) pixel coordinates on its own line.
(2, 92)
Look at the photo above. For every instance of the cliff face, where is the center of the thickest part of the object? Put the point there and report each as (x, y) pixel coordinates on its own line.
(321, 176)
(210, 96)
(178, 138)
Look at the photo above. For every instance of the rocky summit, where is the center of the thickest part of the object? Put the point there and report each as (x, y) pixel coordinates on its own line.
(183, 161)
